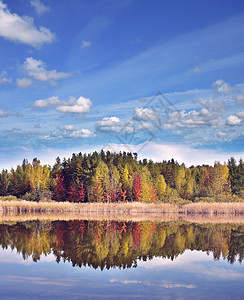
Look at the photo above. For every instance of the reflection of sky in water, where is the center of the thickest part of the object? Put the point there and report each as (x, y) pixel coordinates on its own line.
(193, 275)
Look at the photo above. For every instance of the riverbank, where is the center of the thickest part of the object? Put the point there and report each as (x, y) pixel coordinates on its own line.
(206, 212)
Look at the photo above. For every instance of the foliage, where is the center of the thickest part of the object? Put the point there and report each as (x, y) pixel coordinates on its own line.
(114, 177)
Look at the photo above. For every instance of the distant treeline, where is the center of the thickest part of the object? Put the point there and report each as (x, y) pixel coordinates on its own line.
(112, 177)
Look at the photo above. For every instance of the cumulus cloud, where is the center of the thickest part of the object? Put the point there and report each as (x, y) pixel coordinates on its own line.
(189, 119)
(213, 105)
(221, 134)
(85, 44)
(22, 29)
(67, 127)
(36, 69)
(110, 124)
(51, 101)
(209, 115)
(222, 87)
(145, 114)
(68, 132)
(240, 114)
(83, 133)
(233, 120)
(239, 99)
(77, 106)
(218, 83)
(73, 105)
(114, 124)
(39, 7)
(4, 113)
(4, 79)
(23, 83)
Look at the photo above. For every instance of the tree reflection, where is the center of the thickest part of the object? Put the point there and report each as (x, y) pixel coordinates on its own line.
(110, 244)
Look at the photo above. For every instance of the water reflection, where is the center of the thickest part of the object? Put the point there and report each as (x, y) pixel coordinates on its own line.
(123, 245)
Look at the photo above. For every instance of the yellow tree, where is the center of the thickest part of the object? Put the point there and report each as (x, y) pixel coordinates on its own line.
(147, 189)
(160, 186)
(180, 180)
(220, 178)
(100, 181)
(127, 181)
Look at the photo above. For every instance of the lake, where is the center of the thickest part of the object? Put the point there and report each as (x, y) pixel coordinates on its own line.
(121, 260)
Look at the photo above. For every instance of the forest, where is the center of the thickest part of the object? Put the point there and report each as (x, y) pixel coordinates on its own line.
(122, 177)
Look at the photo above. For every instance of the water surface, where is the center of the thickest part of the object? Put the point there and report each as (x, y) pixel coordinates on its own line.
(121, 260)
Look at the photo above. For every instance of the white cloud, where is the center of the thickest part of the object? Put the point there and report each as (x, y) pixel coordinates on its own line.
(36, 69)
(114, 124)
(240, 114)
(126, 281)
(4, 113)
(218, 82)
(233, 120)
(212, 105)
(145, 114)
(180, 152)
(67, 132)
(83, 133)
(85, 44)
(80, 105)
(210, 115)
(109, 121)
(67, 127)
(23, 82)
(4, 79)
(189, 119)
(22, 29)
(239, 99)
(221, 134)
(197, 70)
(39, 7)
(51, 101)
(222, 87)
(169, 285)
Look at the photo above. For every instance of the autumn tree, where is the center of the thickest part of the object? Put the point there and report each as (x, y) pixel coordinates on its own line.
(160, 187)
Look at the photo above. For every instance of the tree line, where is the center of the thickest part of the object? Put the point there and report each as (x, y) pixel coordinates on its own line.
(113, 177)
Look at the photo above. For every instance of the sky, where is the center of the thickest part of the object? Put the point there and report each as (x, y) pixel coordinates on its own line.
(161, 78)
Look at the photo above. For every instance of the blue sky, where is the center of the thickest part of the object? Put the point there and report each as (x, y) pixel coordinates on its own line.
(163, 78)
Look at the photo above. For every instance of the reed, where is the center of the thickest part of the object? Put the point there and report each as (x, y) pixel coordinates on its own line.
(122, 209)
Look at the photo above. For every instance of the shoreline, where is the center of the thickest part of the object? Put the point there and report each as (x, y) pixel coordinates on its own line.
(226, 212)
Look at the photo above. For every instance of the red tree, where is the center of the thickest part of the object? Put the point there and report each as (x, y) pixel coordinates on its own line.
(137, 187)
(60, 189)
(81, 192)
(72, 193)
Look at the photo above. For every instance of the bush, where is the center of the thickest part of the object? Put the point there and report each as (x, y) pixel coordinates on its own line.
(9, 198)
(30, 196)
(45, 196)
(204, 199)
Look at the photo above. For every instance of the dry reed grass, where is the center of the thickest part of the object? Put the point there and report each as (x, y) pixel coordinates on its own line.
(194, 212)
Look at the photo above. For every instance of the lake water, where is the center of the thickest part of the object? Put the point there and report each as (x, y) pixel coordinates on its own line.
(121, 260)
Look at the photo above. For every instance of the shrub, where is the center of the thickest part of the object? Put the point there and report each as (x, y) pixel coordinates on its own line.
(9, 198)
